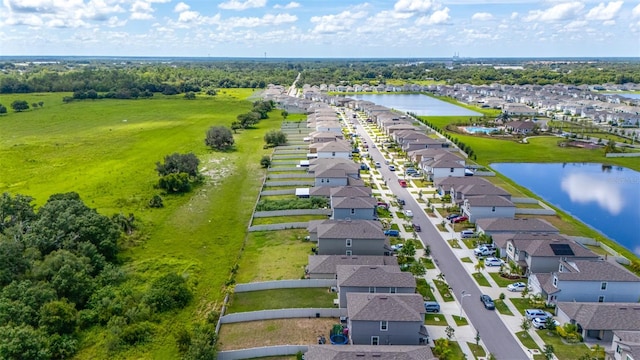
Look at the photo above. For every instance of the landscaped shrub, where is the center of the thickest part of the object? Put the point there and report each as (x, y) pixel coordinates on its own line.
(289, 204)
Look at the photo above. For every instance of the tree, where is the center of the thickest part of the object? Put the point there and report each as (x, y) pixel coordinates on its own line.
(417, 269)
(175, 183)
(3, 109)
(41, 103)
(265, 161)
(409, 249)
(156, 202)
(442, 349)
(168, 292)
(525, 325)
(275, 138)
(548, 351)
(179, 163)
(284, 114)
(20, 105)
(58, 317)
(248, 119)
(235, 126)
(23, 342)
(449, 331)
(477, 338)
(479, 265)
(190, 95)
(219, 138)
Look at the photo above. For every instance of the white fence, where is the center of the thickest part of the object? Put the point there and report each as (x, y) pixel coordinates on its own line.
(634, 154)
(285, 284)
(280, 226)
(527, 211)
(283, 314)
(294, 212)
(259, 352)
(589, 241)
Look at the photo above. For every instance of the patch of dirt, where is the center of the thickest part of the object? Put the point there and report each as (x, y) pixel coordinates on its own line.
(298, 331)
(215, 170)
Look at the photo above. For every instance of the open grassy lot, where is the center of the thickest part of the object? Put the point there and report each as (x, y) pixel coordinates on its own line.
(300, 331)
(274, 255)
(106, 151)
(281, 299)
(286, 219)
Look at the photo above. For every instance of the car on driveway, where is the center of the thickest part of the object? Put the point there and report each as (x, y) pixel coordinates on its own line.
(518, 286)
(392, 232)
(465, 234)
(452, 216)
(459, 219)
(487, 302)
(408, 213)
(493, 261)
(431, 306)
(537, 313)
(397, 247)
(542, 323)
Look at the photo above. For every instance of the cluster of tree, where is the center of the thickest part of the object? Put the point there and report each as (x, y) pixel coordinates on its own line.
(464, 147)
(178, 173)
(154, 77)
(130, 93)
(59, 274)
(259, 112)
(275, 138)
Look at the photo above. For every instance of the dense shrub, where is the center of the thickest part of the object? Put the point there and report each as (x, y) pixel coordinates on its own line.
(168, 292)
(297, 203)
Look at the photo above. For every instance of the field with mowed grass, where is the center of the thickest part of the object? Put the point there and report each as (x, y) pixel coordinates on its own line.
(106, 151)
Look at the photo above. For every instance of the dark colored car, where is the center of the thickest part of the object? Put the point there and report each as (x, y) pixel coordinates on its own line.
(487, 302)
(452, 216)
(401, 202)
(417, 227)
(459, 219)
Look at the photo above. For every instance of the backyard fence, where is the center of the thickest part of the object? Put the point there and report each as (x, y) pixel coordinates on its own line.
(252, 353)
(278, 192)
(290, 183)
(283, 314)
(635, 154)
(289, 176)
(589, 241)
(526, 211)
(285, 284)
(294, 212)
(281, 226)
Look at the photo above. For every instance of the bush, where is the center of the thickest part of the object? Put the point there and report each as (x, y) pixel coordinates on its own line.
(265, 162)
(175, 183)
(156, 202)
(297, 203)
(137, 333)
(168, 292)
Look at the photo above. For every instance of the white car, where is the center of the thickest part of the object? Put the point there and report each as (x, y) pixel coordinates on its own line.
(493, 262)
(519, 286)
(541, 323)
(397, 247)
(408, 213)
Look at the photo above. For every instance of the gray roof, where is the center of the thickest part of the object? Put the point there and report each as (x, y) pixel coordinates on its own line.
(338, 146)
(350, 191)
(588, 270)
(353, 202)
(374, 276)
(368, 352)
(451, 181)
(445, 163)
(320, 191)
(354, 182)
(480, 189)
(629, 342)
(540, 245)
(516, 225)
(546, 282)
(385, 307)
(350, 229)
(603, 316)
(331, 173)
(326, 264)
(489, 200)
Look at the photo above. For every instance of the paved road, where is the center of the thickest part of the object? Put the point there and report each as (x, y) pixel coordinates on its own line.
(495, 335)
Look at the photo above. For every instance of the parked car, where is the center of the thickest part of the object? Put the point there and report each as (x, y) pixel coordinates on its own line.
(459, 219)
(537, 313)
(493, 262)
(392, 232)
(465, 234)
(383, 205)
(483, 251)
(364, 167)
(397, 247)
(392, 168)
(408, 213)
(518, 286)
(417, 228)
(542, 323)
(487, 302)
(431, 306)
(452, 216)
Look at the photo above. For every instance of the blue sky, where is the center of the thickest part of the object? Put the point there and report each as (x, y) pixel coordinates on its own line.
(321, 28)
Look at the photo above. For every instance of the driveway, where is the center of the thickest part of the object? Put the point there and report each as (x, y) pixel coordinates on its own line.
(498, 339)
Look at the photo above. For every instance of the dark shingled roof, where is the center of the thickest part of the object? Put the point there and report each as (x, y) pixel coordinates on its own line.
(516, 225)
(326, 264)
(355, 229)
(576, 270)
(489, 200)
(378, 276)
(385, 307)
(603, 316)
(369, 352)
(353, 202)
(541, 245)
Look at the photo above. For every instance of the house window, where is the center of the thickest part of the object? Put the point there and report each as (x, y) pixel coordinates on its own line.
(493, 209)
(628, 357)
(372, 290)
(333, 153)
(451, 170)
(618, 349)
(375, 340)
(384, 326)
(603, 286)
(393, 290)
(601, 298)
(561, 268)
(555, 281)
(348, 242)
(321, 180)
(353, 211)
(348, 253)
(327, 180)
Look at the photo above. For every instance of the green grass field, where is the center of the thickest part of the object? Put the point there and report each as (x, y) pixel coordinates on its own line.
(106, 151)
(281, 299)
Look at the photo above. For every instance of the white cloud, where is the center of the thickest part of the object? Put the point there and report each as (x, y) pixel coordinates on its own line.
(576, 25)
(413, 5)
(609, 23)
(604, 12)
(329, 24)
(438, 17)
(242, 5)
(180, 7)
(267, 19)
(636, 11)
(291, 5)
(562, 11)
(514, 15)
(482, 16)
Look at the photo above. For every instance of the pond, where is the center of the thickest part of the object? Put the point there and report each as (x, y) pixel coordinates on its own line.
(418, 104)
(605, 197)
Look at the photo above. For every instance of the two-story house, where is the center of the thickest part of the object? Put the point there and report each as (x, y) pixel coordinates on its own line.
(386, 279)
(487, 206)
(495, 226)
(324, 266)
(386, 319)
(587, 281)
(625, 345)
(353, 207)
(331, 150)
(351, 237)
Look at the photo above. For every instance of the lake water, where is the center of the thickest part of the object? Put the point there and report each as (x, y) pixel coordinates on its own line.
(628, 95)
(418, 104)
(607, 198)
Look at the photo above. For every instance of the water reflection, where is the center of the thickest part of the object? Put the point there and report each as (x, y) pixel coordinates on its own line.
(584, 188)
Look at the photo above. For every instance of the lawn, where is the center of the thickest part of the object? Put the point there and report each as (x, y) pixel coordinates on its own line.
(106, 151)
(502, 282)
(524, 304)
(454, 244)
(286, 219)
(526, 340)
(435, 319)
(274, 255)
(502, 307)
(300, 331)
(480, 279)
(476, 350)
(424, 289)
(460, 320)
(428, 263)
(443, 289)
(466, 259)
(281, 299)
(562, 350)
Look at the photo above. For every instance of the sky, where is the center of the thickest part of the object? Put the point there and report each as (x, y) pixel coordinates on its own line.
(321, 28)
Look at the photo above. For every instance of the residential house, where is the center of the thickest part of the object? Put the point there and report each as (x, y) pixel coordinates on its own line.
(521, 127)
(375, 279)
(625, 345)
(318, 165)
(353, 207)
(424, 143)
(324, 266)
(331, 177)
(442, 164)
(587, 281)
(488, 206)
(518, 109)
(368, 352)
(447, 185)
(345, 237)
(417, 156)
(386, 319)
(462, 192)
(541, 253)
(325, 136)
(331, 150)
(598, 321)
(494, 226)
